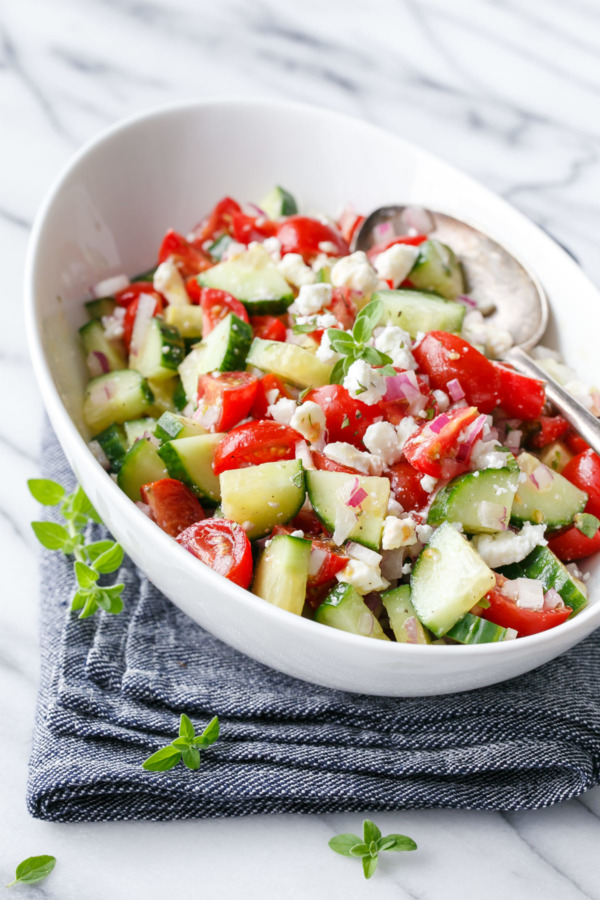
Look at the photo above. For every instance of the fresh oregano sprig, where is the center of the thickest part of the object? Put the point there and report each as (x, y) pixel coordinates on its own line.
(185, 748)
(33, 869)
(370, 845)
(90, 560)
(356, 345)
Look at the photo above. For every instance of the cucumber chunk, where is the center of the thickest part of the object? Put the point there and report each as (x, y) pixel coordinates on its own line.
(190, 460)
(223, 350)
(555, 503)
(114, 444)
(217, 250)
(103, 306)
(141, 465)
(475, 630)
(186, 319)
(282, 572)
(252, 278)
(171, 426)
(260, 497)
(114, 398)
(290, 362)
(403, 618)
(94, 340)
(329, 491)
(437, 269)
(416, 311)
(278, 202)
(547, 568)
(138, 428)
(556, 455)
(160, 353)
(164, 395)
(146, 276)
(447, 580)
(345, 609)
(460, 500)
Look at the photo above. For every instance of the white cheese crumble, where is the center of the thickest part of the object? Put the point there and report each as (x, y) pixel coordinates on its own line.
(273, 248)
(394, 508)
(113, 324)
(382, 440)
(363, 383)
(396, 343)
(398, 533)
(395, 263)
(168, 282)
(324, 351)
(424, 533)
(356, 272)
(428, 483)
(232, 250)
(362, 577)
(476, 330)
(110, 286)
(311, 299)
(485, 456)
(442, 399)
(404, 429)
(347, 455)
(295, 271)
(282, 411)
(309, 421)
(505, 548)
(326, 320)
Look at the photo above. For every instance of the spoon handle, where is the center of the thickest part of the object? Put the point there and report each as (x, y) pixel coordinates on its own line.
(587, 425)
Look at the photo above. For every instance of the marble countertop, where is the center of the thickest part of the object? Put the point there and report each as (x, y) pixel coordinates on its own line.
(507, 91)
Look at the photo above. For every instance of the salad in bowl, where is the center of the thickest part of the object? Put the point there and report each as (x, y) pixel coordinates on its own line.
(332, 430)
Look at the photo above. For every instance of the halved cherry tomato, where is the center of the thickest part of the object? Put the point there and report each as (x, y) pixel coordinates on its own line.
(584, 472)
(251, 228)
(406, 486)
(572, 544)
(216, 305)
(126, 296)
(346, 419)
(435, 448)
(575, 442)
(174, 506)
(222, 545)
(264, 394)
(218, 222)
(190, 260)
(300, 234)
(268, 328)
(131, 312)
(254, 443)
(413, 239)
(224, 398)
(307, 522)
(519, 396)
(504, 612)
(325, 464)
(445, 356)
(193, 288)
(545, 430)
(343, 306)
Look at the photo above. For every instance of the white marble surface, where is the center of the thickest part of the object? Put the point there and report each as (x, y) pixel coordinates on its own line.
(508, 91)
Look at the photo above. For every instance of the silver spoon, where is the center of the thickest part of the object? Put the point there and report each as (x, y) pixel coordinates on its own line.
(495, 275)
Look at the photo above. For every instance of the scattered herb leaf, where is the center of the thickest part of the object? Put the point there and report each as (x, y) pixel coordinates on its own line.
(35, 868)
(370, 846)
(185, 748)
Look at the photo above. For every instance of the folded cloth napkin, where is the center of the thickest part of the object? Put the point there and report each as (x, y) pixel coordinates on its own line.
(113, 687)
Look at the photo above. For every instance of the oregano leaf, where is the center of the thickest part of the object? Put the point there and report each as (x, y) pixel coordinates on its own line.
(45, 491)
(162, 760)
(33, 869)
(51, 535)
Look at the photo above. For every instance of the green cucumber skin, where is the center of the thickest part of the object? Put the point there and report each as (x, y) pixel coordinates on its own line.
(322, 490)
(224, 350)
(179, 398)
(93, 339)
(219, 247)
(275, 306)
(99, 411)
(544, 566)
(437, 269)
(346, 610)
(103, 306)
(173, 348)
(141, 465)
(261, 497)
(555, 506)
(290, 362)
(475, 630)
(458, 500)
(170, 426)
(281, 574)
(399, 608)
(137, 428)
(416, 311)
(178, 457)
(279, 202)
(145, 276)
(114, 444)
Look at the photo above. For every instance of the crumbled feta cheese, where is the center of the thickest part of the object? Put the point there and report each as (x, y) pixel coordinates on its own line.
(398, 533)
(328, 247)
(485, 456)
(407, 568)
(362, 577)
(568, 379)
(232, 250)
(476, 330)
(394, 508)
(110, 286)
(283, 411)
(363, 383)
(326, 320)
(498, 341)
(506, 547)
(356, 272)
(442, 399)
(395, 263)
(113, 324)
(382, 440)
(309, 421)
(404, 429)
(424, 533)
(428, 483)
(324, 351)
(295, 271)
(396, 343)
(311, 299)
(168, 282)
(297, 533)
(347, 455)
(273, 248)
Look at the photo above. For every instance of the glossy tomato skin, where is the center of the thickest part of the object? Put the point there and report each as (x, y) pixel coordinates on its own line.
(174, 506)
(323, 463)
(131, 312)
(412, 239)
(519, 396)
(190, 260)
(406, 486)
(266, 385)
(128, 295)
(343, 306)
(194, 290)
(346, 419)
(228, 396)
(434, 450)
(584, 472)
(219, 221)
(216, 305)
(445, 356)
(575, 442)
(222, 545)
(396, 410)
(545, 430)
(251, 228)
(504, 612)
(303, 235)
(268, 328)
(254, 443)
(572, 545)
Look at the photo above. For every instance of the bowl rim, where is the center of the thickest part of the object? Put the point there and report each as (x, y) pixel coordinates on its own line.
(569, 632)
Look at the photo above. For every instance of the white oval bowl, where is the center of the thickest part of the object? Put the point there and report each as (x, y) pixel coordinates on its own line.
(107, 213)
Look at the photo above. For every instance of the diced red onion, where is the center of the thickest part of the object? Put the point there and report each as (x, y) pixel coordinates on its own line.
(467, 301)
(254, 210)
(511, 634)
(345, 520)
(365, 623)
(97, 363)
(373, 601)
(316, 560)
(513, 439)
(418, 218)
(403, 386)
(455, 389)
(542, 477)
(207, 416)
(469, 436)
(357, 495)
(392, 562)
(304, 455)
(145, 311)
(109, 286)
(514, 423)
(369, 557)
(493, 515)
(412, 631)
(99, 454)
(384, 231)
(553, 600)
(438, 423)
(529, 593)
(145, 508)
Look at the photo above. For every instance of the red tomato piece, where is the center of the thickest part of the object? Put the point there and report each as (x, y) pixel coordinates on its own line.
(546, 430)
(268, 328)
(189, 260)
(584, 472)
(413, 239)
(264, 394)
(343, 306)
(224, 398)
(218, 222)
(254, 443)
(251, 228)
(126, 296)
(222, 545)
(193, 289)
(519, 396)
(348, 223)
(131, 312)
(572, 544)
(346, 419)
(307, 522)
(445, 356)
(216, 305)
(174, 506)
(504, 612)
(333, 562)
(406, 486)
(435, 449)
(323, 463)
(576, 443)
(300, 234)
(396, 410)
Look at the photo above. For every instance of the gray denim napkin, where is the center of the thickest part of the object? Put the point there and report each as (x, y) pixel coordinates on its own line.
(113, 687)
